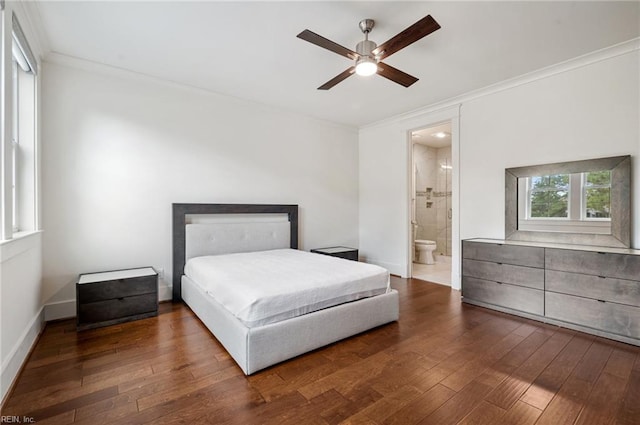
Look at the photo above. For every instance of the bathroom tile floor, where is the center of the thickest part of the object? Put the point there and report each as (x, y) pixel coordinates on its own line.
(440, 272)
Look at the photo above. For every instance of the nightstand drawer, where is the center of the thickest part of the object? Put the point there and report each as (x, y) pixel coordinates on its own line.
(107, 298)
(338, 251)
(101, 311)
(101, 291)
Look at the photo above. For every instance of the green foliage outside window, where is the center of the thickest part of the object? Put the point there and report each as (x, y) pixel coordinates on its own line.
(598, 194)
(550, 196)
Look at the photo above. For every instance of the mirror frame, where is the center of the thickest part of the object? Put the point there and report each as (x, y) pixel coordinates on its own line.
(620, 236)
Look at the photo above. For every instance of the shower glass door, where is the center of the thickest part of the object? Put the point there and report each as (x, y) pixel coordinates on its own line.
(443, 203)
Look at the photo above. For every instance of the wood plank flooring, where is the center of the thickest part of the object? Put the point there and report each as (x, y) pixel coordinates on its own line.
(442, 363)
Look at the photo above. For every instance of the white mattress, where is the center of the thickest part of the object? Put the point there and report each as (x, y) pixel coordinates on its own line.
(265, 287)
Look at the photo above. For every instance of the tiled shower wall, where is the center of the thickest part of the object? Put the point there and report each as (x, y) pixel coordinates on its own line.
(433, 207)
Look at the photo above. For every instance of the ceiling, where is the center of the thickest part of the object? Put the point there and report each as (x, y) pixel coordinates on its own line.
(249, 50)
(438, 136)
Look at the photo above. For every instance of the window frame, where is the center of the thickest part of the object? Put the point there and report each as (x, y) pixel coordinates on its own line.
(20, 201)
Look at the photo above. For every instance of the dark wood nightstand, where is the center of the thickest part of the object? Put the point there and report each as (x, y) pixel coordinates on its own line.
(107, 298)
(338, 251)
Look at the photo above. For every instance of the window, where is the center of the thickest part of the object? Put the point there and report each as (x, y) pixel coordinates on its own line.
(20, 172)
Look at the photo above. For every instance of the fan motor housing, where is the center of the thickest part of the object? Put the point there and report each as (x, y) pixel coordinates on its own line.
(365, 47)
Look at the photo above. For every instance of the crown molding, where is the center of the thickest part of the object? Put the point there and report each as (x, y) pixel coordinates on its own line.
(123, 73)
(546, 72)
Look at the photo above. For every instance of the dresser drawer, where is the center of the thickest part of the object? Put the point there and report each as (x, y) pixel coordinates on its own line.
(101, 311)
(507, 254)
(107, 290)
(505, 273)
(600, 288)
(504, 295)
(606, 316)
(621, 266)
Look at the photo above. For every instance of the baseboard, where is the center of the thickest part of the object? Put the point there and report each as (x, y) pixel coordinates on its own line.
(60, 310)
(18, 355)
(165, 293)
(394, 268)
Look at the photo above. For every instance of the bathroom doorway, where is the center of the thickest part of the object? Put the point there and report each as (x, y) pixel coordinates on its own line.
(431, 203)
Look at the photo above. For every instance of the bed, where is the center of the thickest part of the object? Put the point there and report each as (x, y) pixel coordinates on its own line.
(300, 298)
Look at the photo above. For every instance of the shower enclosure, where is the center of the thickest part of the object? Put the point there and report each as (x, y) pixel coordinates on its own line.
(432, 201)
(442, 197)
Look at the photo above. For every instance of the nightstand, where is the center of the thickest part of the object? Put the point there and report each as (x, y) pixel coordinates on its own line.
(107, 298)
(338, 251)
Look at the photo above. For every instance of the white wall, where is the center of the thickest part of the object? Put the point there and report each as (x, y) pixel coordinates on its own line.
(20, 303)
(588, 112)
(586, 108)
(121, 148)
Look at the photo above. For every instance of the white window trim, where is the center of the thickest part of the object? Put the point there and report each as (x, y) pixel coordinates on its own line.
(15, 144)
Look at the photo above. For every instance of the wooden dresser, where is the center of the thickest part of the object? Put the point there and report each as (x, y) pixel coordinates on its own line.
(591, 289)
(119, 296)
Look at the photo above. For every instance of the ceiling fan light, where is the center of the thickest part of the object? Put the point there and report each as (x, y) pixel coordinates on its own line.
(366, 66)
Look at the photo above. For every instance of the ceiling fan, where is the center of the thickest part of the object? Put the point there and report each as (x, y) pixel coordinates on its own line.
(368, 55)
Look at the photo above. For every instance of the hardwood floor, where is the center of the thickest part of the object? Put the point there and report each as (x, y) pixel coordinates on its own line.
(443, 363)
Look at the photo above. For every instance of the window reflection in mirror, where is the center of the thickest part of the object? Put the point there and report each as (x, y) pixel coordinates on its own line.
(566, 202)
(548, 196)
(597, 194)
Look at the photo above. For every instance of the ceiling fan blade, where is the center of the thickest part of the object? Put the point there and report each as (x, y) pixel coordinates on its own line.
(395, 75)
(325, 43)
(415, 32)
(338, 78)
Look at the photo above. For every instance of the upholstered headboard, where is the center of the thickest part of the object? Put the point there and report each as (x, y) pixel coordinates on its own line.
(229, 238)
(192, 240)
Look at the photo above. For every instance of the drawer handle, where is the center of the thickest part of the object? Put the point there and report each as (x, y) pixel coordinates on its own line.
(499, 264)
(602, 277)
(601, 301)
(499, 283)
(121, 298)
(599, 252)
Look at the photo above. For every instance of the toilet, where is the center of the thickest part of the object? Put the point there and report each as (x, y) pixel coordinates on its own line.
(424, 251)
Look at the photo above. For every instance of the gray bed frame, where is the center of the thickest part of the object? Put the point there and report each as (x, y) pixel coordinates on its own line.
(257, 348)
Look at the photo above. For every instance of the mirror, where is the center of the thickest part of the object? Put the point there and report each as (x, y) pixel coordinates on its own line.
(579, 202)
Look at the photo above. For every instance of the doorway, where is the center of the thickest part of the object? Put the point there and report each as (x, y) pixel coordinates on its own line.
(431, 203)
